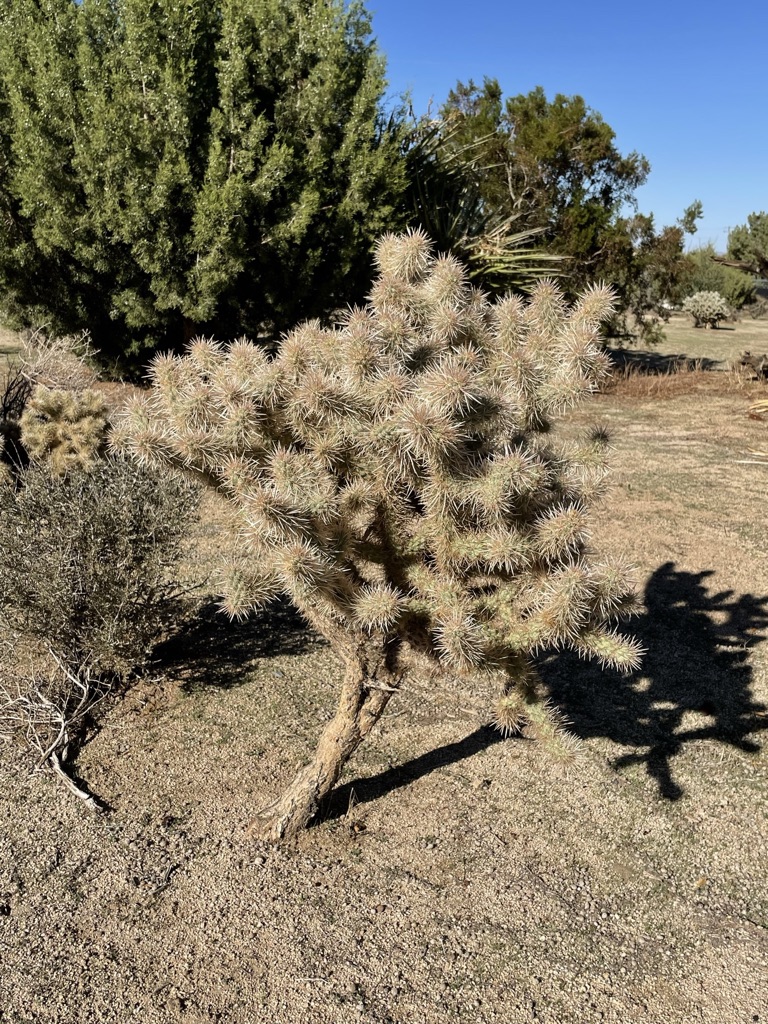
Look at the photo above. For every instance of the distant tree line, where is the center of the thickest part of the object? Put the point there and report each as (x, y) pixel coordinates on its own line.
(224, 168)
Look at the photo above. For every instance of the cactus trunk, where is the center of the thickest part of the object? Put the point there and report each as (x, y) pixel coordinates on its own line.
(364, 696)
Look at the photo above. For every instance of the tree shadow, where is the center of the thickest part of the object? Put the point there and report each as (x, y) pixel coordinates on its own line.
(654, 364)
(366, 789)
(697, 661)
(211, 650)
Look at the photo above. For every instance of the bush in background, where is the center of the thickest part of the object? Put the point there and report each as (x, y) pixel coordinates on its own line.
(704, 274)
(706, 308)
(255, 166)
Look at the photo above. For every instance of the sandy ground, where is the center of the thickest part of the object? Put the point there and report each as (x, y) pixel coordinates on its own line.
(455, 876)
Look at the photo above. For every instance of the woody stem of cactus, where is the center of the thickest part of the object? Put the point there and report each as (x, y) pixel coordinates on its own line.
(365, 693)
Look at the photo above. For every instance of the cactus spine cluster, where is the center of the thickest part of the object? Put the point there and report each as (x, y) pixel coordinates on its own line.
(706, 308)
(396, 478)
(64, 429)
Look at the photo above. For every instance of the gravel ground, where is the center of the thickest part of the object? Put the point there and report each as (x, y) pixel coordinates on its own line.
(455, 876)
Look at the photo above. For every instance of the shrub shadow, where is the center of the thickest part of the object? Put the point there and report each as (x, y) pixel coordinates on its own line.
(211, 650)
(697, 646)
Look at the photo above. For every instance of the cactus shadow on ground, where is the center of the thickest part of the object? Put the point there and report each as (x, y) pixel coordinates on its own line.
(369, 788)
(213, 651)
(695, 682)
(698, 646)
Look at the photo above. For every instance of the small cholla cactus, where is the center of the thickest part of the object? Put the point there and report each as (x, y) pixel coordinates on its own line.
(396, 479)
(64, 429)
(706, 308)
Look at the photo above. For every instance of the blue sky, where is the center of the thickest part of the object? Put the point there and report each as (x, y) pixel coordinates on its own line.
(686, 84)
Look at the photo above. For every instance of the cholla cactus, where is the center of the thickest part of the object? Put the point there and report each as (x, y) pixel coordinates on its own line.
(706, 308)
(64, 429)
(395, 477)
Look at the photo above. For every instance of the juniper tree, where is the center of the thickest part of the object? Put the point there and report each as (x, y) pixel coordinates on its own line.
(158, 159)
(396, 478)
(748, 246)
(554, 164)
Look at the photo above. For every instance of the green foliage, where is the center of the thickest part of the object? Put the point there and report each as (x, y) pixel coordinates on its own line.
(647, 267)
(85, 562)
(555, 162)
(396, 478)
(706, 308)
(748, 245)
(446, 198)
(554, 166)
(704, 274)
(166, 167)
(64, 429)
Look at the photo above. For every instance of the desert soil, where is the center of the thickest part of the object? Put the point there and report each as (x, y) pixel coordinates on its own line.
(455, 876)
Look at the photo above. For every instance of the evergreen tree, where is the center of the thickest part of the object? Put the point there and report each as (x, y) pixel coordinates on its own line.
(748, 246)
(169, 167)
(554, 166)
(555, 162)
(706, 274)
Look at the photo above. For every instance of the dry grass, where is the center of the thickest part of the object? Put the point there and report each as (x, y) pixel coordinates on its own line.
(720, 346)
(663, 379)
(692, 361)
(10, 346)
(455, 876)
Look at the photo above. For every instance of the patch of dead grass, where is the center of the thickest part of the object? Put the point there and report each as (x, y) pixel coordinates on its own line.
(676, 379)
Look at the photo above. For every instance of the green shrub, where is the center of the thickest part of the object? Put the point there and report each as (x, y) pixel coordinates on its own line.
(706, 275)
(706, 308)
(396, 478)
(171, 167)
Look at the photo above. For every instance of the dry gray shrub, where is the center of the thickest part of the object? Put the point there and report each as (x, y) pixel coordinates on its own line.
(88, 570)
(61, 363)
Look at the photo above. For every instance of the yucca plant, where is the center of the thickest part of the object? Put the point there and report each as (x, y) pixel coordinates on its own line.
(396, 478)
(445, 198)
